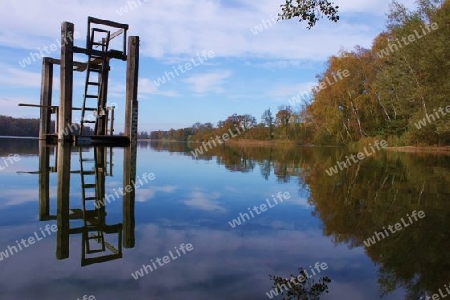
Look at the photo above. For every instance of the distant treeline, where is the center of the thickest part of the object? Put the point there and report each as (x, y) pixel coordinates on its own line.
(10, 126)
(398, 90)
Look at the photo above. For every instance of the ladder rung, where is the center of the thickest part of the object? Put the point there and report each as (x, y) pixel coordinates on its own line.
(90, 198)
(91, 228)
(100, 30)
(97, 60)
(98, 44)
(95, 251)
(95, 70)
(88, 172)
(93, 83)
(88, 159)
(95, 237)
(94, 63)
(90, 108)
(91, 96)
(84, 172)
(89, 185)
(91, 213)
(91, 122)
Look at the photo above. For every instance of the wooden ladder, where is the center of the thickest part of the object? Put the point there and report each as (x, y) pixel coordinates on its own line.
(94, 89)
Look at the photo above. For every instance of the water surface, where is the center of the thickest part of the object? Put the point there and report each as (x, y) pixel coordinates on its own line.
(192, 200)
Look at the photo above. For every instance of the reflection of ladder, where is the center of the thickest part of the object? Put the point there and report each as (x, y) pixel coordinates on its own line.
(97, 63)
(89, 193)
(95, 230)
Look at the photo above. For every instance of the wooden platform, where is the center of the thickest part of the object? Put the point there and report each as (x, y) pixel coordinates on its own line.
(95, 140)
(102, 140)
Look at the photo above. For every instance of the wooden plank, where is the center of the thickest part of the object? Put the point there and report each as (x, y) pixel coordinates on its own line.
(37, 105)
(53, 106)
(116, 34)
(107, 23)
(78, 66)
(113, 35)
(109, 54)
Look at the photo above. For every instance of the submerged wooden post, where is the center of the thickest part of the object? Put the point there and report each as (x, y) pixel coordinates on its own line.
(129, 177)
(63, 200)
(44, 181)
(66, 76)
(46, 98)
(131, 104)
(129, 154)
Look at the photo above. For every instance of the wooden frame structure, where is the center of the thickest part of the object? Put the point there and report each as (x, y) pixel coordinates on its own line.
(98, 61)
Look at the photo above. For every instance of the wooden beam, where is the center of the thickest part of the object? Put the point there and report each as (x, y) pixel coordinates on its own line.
(132, 89)
(129, 177)
(44, 181)
(53, 106)
(37, 105)
(116, 34)
(78, 66)
(107, 23)
(110, 54)
(66, 79)
(63, 200)
(46, 99)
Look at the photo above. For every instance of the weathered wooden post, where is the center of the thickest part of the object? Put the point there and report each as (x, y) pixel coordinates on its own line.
(46, 98)
(102, 122)
(131, 102)
(66, 79)
(44, 181)
(63, 193)
(129, 177)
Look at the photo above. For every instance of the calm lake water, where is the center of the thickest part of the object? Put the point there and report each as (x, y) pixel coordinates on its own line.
(192, 201)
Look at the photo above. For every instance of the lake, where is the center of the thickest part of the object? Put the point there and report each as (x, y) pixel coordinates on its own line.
(173, 226)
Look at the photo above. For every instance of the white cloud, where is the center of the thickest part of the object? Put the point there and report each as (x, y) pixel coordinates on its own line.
(187, 27)
(281, 64)
(144, 195)
(286, 92)
(208, 82)
(146, 86)
(18, 196)
(204, 201)
(376, 7)
(14, 77)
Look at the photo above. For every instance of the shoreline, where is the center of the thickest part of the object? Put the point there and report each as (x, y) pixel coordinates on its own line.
(247, 142)
(257, 143)
(418, 149)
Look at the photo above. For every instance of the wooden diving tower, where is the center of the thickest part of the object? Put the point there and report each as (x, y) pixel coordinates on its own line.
(99, 53)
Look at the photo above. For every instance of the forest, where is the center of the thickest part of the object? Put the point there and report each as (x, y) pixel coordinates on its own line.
(10, 126)
(24, 127)
(398, 90)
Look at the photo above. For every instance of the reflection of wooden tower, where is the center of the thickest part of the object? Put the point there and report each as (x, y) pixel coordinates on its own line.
(94, 110)
(95, 231)
(94, 215)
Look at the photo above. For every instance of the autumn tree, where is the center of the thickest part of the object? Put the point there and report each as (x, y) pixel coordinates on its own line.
(282, 119)
(268, 120)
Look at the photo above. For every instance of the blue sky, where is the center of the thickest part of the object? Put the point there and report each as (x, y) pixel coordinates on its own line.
(248, 73)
